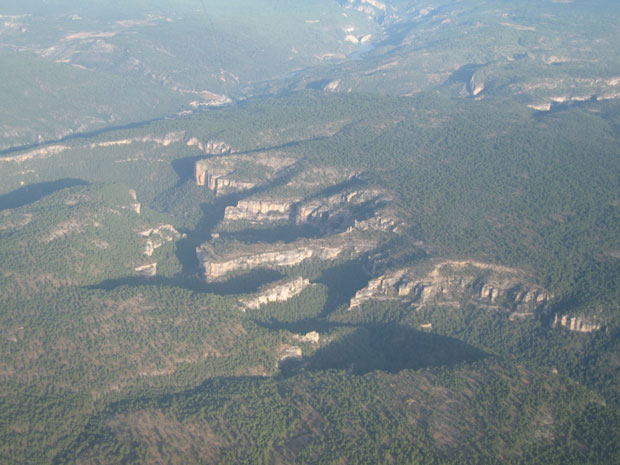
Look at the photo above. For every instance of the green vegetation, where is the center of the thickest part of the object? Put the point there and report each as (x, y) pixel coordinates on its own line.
(122, 356)
(115, 349)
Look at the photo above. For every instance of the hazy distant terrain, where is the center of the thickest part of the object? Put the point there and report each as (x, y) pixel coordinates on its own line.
(309, 232)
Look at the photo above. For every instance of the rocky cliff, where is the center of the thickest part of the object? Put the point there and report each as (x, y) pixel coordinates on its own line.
(259, 210)
(361, 208)
(234, 173)
(277, 292)
(450, 282)
(245, 257)
(575, 323)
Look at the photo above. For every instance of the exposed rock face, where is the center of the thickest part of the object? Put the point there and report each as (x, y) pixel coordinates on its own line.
(357, 209)
(219, 179)
(135, 206)
(247, 257)
(165, 141)
(338, 205)
(258, 211)
(451, 281)
(575, 323)
(38, 154)
(288, 352)
(236, 173)
(476, 85)
(279, 292)
(156, 237)
(148, 270)
(312, 337)
(211, 147)
(281, 256)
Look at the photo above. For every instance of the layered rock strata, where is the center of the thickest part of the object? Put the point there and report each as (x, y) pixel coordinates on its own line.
(449, 282)
(235, 173)
(357, 209)
(278, 292)
(259, 210)
(245, 257)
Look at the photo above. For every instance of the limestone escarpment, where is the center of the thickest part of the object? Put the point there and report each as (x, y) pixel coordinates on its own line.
(277, 292)
(246, 257)
(164, 140)
(236, 173)
(356, 209)
(340, 206)
(450, 282)
(259, 210)
(39, 154)
(575, 323)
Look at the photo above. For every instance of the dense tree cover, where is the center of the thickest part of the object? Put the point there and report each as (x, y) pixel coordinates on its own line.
(94, 360)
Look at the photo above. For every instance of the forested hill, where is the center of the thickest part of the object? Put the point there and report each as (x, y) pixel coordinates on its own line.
(292, 232)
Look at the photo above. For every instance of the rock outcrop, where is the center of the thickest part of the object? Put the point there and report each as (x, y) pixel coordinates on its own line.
(575, 323)
(312, 337)
(357, 209)
(339, 205)
(235, 173)
(148, 270)
(156, 237)
(259, 210)
(164, 140)
(135, 205)
(476, 85)
(289, 352)
(38, 154)
(244, 257)
(449, 282)
(211, 147)
(278, 292)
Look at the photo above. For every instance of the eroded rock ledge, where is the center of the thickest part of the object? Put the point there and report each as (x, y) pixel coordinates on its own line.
(361, 209)
(449, 282)
(235, 173)
(277, 292)
(245, 257)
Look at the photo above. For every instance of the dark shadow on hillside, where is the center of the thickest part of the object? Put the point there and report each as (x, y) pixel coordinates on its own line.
(185, 168)
(335, 188)
(463, 74)
(318, 85)
(342, 282)
(242, 284)
(33, 192)
(389, 348)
